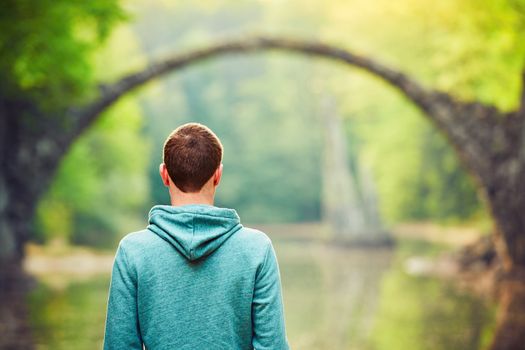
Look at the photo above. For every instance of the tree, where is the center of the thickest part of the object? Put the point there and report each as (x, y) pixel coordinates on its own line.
(86, 203)
(44, 69)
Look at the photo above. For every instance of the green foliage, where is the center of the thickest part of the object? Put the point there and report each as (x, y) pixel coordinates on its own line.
(46, 46)
(269, 128)
(417, 173)
(98, 190)
(55, 220)
(265, 108)
(272, 145)
(473, 50)
(101, 184)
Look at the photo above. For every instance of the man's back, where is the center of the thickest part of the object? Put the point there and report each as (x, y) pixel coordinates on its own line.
(195, 279)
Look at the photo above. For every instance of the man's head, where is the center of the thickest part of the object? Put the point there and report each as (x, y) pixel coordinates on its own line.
(192, 158)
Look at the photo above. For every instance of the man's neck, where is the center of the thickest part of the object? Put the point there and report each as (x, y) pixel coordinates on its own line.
(179, 198)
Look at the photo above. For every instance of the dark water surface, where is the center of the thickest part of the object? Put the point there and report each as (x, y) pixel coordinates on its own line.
(335, 298)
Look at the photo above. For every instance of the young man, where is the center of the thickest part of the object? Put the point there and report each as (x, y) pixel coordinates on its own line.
(195, 278)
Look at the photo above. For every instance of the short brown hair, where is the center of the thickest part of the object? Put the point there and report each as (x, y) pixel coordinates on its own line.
(192, 153)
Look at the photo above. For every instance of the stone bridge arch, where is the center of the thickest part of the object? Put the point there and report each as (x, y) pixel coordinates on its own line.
(489, 143)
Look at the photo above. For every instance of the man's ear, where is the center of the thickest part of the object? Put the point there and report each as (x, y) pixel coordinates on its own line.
(164, 174)
(217, 176)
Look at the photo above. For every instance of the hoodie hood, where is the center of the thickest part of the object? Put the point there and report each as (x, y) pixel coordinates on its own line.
(195, 231)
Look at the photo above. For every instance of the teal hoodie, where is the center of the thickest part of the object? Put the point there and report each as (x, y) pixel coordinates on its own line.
(195, 279)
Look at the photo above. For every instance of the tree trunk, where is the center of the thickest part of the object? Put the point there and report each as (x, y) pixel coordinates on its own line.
(27, 162)
(14, 315)
(508, 208)
(31, 146)
(501, 176)
(510, 321)
(16, 213)
(14, 325)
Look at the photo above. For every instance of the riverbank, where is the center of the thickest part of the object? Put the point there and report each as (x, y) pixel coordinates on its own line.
(59, 265)
(467, 258)
(58, 262)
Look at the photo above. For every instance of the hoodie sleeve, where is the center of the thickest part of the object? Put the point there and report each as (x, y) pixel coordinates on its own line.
(267, 307)
(122, 325)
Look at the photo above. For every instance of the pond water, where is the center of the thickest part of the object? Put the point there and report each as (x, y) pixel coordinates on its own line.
(335, 298)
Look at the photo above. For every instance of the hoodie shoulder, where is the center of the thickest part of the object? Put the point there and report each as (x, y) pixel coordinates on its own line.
(256, 234)
(137, 240)
(136, 237)
(253, 239)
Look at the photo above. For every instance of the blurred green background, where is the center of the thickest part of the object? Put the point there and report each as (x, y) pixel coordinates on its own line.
(267, 110)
